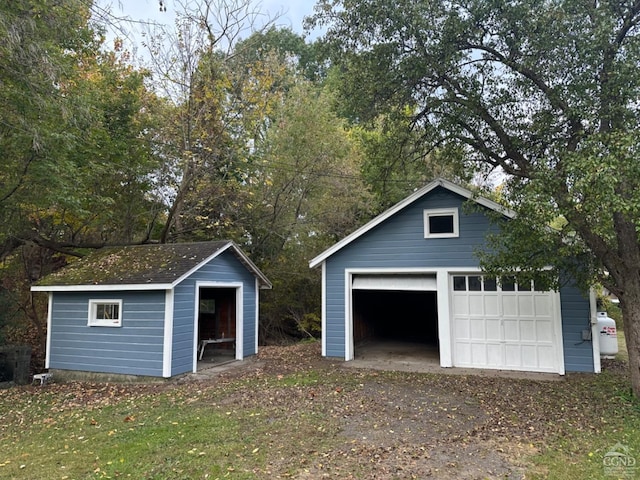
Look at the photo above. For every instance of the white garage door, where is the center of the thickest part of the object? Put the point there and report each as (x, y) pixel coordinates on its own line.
(508, 326)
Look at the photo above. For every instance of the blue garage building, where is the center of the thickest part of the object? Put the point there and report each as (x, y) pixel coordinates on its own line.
(411, 274)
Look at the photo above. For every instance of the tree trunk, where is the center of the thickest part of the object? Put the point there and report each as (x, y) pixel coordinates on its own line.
(630, 303)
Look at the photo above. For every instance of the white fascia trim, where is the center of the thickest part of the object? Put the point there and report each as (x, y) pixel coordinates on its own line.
(415, 270)
(201, 264)
(595, 334)
(323, 337)
(47, 354)
(439, 182)
(101, 288)
(167, 350)
(245, 261)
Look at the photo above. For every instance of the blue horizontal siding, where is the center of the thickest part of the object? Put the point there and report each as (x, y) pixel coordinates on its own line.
(399, 242)
(224, 268)
(576, 317)
(135, 348)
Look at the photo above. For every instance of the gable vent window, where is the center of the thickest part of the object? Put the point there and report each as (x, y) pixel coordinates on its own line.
(105, 313)
(441, 223)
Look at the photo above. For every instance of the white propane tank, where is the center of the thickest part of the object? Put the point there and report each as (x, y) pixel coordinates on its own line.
(608, 335)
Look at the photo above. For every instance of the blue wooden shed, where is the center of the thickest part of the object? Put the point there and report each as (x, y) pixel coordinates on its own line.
(411, 275)
(151, 310)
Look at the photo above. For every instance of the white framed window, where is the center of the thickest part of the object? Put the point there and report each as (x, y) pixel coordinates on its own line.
(105, 313)
(441, 223)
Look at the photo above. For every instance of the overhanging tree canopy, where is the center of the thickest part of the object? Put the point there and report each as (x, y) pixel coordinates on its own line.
(545, 90)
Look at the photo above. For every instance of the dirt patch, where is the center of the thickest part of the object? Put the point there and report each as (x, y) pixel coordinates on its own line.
(320, 419)
(397, 424)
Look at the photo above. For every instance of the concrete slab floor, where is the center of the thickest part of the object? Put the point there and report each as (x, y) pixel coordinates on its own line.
(424, 358)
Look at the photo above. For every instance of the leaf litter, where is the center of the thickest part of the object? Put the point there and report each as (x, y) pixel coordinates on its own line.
(307, 417)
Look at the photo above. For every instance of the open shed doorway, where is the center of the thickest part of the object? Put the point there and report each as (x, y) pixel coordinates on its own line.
(396, 326)
(216, 325)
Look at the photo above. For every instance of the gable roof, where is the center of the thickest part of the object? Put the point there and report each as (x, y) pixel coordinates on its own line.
(142, 267)
(418, 194)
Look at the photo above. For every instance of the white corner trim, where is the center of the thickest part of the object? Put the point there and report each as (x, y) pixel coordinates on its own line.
(257, 332)
(445, 323)
(559, 340)
(348, 315)
(240, 322)
(323, 336)
(167, 349)
(595, 334)
(47, 354)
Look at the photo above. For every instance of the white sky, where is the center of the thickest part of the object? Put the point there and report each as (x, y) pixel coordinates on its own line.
(291, 13)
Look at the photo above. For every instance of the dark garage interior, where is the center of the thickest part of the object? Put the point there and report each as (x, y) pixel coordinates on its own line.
(396, 316)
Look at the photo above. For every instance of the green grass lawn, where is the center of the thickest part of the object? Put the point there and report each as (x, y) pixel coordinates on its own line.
(309, 421)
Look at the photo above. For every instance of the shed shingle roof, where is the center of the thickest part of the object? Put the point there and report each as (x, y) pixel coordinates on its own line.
(143, 265)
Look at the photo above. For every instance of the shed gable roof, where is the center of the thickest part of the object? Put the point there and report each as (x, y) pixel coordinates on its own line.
(153, 265)
(418, 194)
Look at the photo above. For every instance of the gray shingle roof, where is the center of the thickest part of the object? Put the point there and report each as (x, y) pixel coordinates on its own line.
(143, 264)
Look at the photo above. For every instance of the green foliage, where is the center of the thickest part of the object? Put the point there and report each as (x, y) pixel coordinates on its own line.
(494, 80)
(556, 114)
(304, 194)
(290, 48)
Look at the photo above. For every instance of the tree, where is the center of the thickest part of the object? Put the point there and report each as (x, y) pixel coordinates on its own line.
(545, 91)
(77, 164)
(204, 138)
(305, 193)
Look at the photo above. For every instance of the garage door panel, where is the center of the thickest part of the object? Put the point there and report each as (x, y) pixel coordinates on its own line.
(463, 328)
(512, 330)
(512, 354)
(543, 305)
(478, 329)
(460, 305)
(529, 356)
(479, 353)
(544, 331)
(476, 304)
(494, 355)
(509, 305)
(491, 306)
(463, 353)
(528, 331)
(494, 329)
(525, 305)
(546, 359)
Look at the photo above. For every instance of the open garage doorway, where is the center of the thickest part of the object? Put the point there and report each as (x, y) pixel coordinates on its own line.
(395, 325)
(217, 325)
